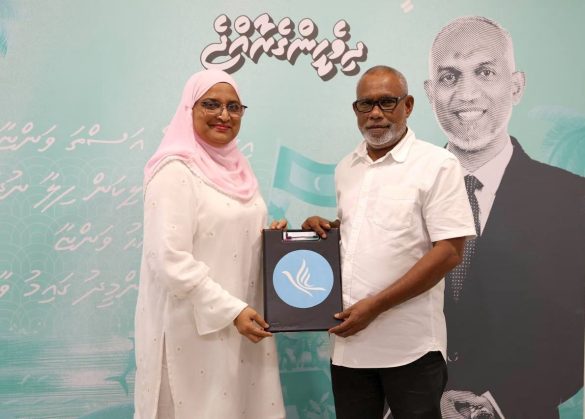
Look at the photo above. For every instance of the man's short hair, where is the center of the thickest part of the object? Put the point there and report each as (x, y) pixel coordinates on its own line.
(387, 69)
(468, 20)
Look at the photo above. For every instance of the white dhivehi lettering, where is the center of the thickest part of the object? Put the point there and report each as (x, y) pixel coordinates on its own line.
(6, 190)
(407, 6)
(13, 138)
(278, 41)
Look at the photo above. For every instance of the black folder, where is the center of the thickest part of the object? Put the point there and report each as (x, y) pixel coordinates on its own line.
(302, 280)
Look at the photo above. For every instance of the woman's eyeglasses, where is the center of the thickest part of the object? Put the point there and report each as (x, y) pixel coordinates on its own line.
(215, 107)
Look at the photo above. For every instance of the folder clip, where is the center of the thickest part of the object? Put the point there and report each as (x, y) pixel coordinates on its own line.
(289, 236)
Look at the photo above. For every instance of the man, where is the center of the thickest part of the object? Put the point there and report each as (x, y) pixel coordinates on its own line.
(515, 305)
(404, 217)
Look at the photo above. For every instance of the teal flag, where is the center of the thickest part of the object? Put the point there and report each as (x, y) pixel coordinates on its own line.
(303, 357)
(306, 179)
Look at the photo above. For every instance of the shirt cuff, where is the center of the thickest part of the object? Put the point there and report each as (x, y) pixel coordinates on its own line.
(214, 308)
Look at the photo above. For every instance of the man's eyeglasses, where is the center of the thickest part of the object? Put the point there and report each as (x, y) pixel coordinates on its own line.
(386, 104)
(214, 107)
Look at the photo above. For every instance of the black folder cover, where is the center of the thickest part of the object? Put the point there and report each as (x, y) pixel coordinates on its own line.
(302, 280)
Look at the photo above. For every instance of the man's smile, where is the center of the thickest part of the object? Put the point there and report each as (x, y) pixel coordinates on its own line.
(470, 114)
(377, 127)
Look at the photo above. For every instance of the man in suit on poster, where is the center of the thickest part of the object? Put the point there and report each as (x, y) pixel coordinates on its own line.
(515, 306)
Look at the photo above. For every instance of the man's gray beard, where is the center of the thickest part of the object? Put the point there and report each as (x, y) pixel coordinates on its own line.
(384, 141)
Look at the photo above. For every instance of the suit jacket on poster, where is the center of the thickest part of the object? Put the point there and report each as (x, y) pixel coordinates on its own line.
(518, 328)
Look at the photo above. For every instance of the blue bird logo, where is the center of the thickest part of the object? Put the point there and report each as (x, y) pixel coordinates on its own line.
(301, 280)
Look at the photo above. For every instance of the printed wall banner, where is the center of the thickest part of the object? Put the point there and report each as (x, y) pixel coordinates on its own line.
(87, 90)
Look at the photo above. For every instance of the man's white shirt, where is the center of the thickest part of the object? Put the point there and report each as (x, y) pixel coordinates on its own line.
(391, 211)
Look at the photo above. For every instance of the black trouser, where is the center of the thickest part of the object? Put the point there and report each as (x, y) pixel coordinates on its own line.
(412, 391)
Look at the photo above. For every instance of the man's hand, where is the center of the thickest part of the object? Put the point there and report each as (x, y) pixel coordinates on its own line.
(279, 224)
(251, 325)
(457, 404)
(356, 317)
(319, 225)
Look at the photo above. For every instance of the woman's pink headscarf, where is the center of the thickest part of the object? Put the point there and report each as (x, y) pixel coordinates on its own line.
(224, 168)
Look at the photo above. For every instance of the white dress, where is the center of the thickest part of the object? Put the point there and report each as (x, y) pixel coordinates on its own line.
(200, 268)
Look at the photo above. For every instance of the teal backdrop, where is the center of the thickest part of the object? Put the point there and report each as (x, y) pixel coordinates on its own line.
(86, 91)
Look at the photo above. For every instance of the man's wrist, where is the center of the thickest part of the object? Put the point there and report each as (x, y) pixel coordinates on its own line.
(378, 304)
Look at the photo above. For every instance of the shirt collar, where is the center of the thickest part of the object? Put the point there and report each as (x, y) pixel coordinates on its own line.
(491, 173)
(399, 153)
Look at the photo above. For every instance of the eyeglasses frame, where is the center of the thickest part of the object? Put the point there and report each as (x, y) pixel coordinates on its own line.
(377, 103)
(220, 110)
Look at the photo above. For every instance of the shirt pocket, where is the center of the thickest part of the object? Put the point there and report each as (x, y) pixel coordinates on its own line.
(394, 208)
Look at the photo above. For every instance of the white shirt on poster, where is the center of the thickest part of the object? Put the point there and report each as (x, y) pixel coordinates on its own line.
(391, 211)
(490, 175)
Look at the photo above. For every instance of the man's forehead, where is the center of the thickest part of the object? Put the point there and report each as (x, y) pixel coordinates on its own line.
(477, 42)
(379, 84)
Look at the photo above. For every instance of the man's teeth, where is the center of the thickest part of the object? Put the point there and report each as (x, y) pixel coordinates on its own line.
(470, 115)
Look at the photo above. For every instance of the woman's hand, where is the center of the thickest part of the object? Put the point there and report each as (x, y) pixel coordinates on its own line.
(279, 224)
(251, 325)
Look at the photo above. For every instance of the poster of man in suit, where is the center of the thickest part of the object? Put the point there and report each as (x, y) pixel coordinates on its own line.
(515, 306)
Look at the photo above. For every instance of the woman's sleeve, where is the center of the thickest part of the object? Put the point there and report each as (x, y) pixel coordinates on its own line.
(170, 223)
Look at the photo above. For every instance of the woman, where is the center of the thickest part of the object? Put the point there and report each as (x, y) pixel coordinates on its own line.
(200, 348)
